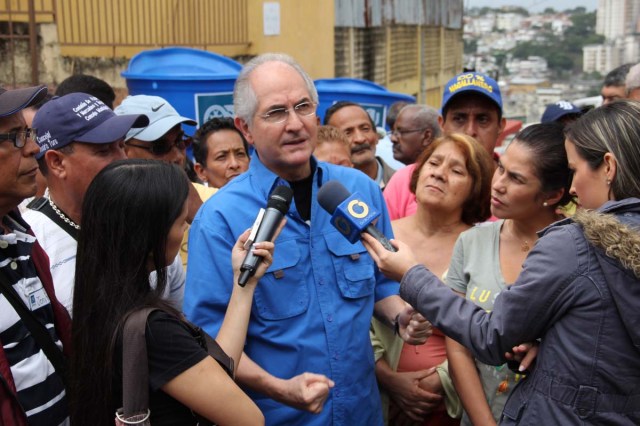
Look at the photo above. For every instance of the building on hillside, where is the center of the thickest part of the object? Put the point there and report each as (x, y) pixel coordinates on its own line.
(617, 18)
(619, 22)
(601, 58)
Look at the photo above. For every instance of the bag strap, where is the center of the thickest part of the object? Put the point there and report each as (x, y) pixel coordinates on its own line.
(42, 205)
(216, 352)
(135, 365)
(213, 348)
(36, 328)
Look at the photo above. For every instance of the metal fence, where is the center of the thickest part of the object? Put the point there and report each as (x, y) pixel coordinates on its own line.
(152, 23)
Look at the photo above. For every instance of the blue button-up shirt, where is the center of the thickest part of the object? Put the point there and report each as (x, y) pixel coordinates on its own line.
(313, 307)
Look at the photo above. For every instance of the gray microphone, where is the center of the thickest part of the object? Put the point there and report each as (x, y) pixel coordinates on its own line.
(277, 207)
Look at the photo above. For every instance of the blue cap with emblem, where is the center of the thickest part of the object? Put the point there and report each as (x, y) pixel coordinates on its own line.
(472, 82)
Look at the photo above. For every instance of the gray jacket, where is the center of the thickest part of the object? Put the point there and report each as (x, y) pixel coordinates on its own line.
(578, 292)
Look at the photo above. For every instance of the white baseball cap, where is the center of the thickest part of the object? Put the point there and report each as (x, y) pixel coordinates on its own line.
(162, 116)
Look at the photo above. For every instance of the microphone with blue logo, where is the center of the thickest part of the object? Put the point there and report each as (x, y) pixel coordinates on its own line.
(350, 214)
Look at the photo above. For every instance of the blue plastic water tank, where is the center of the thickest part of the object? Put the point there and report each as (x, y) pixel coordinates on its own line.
(199, 84)
(373, 97)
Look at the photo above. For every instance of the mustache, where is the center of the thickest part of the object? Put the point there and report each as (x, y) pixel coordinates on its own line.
(361, 147)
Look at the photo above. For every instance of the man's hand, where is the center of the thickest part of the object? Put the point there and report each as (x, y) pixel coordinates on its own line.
(307, 391)
(414, 400)
(413, 328)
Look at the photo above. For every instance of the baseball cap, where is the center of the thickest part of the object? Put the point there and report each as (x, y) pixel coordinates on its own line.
(12, 101)
(472, 82)
(79, 117)
(162, 116)
(559, 109)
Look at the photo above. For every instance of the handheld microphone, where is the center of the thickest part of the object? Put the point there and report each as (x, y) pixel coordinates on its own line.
(277, 207)
(350, 214)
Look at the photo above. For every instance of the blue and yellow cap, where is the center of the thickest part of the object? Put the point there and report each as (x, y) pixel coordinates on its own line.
(472, 82)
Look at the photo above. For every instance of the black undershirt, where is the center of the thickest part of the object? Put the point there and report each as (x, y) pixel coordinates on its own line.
(302, 196)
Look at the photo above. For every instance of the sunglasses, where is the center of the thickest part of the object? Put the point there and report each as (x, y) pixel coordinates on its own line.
(163, 145)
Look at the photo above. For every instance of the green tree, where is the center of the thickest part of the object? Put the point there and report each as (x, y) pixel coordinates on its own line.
(564, 53)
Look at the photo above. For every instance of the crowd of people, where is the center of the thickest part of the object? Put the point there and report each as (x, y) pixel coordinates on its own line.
(512, 296)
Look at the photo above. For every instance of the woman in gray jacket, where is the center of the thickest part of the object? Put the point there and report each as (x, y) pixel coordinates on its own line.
(578, 292)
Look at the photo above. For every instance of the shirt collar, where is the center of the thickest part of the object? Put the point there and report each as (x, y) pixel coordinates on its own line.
(266, 180)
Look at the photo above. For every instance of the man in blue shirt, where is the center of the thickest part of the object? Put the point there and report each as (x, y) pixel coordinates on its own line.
(308, 359)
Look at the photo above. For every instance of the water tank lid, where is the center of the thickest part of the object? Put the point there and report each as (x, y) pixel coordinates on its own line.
(353, 85)
(181, 63)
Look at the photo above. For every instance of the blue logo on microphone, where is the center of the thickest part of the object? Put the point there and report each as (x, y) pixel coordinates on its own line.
(352, 217)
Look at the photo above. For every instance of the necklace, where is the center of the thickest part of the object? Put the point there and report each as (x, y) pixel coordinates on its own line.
(524, 244)
(62, 215)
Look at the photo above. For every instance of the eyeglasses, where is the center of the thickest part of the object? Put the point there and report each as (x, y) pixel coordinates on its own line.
(19, 138)
(278, 115)
(401, 133)
(163, 145)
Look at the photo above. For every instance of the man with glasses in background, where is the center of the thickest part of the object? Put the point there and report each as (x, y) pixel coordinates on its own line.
(360, 129)
(163, 139)
(32, 387)
(414, 129)
(307, 358)
(78, 136)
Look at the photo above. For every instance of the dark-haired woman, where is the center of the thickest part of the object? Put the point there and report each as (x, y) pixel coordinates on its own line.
(530, 183)
(578, 290)
(133, 219)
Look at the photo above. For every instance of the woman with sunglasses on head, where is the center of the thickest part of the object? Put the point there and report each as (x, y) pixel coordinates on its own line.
(451, 183)
(578, 290)
(133, 218)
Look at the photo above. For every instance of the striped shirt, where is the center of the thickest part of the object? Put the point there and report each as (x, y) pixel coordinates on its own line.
(40, 390)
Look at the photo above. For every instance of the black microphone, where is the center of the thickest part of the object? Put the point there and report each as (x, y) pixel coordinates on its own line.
(277, 207)
(350, 214)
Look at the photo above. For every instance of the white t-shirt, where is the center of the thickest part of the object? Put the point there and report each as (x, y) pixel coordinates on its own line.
(61, 249)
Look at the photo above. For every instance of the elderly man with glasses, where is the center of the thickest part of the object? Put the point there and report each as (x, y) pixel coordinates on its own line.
(307, 358)
(414, 129)
(34, 327)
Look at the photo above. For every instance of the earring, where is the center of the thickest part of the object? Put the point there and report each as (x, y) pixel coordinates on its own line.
(545, 204)
(608, 182)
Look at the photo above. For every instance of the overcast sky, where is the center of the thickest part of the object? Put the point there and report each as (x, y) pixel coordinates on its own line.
(535, 5)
